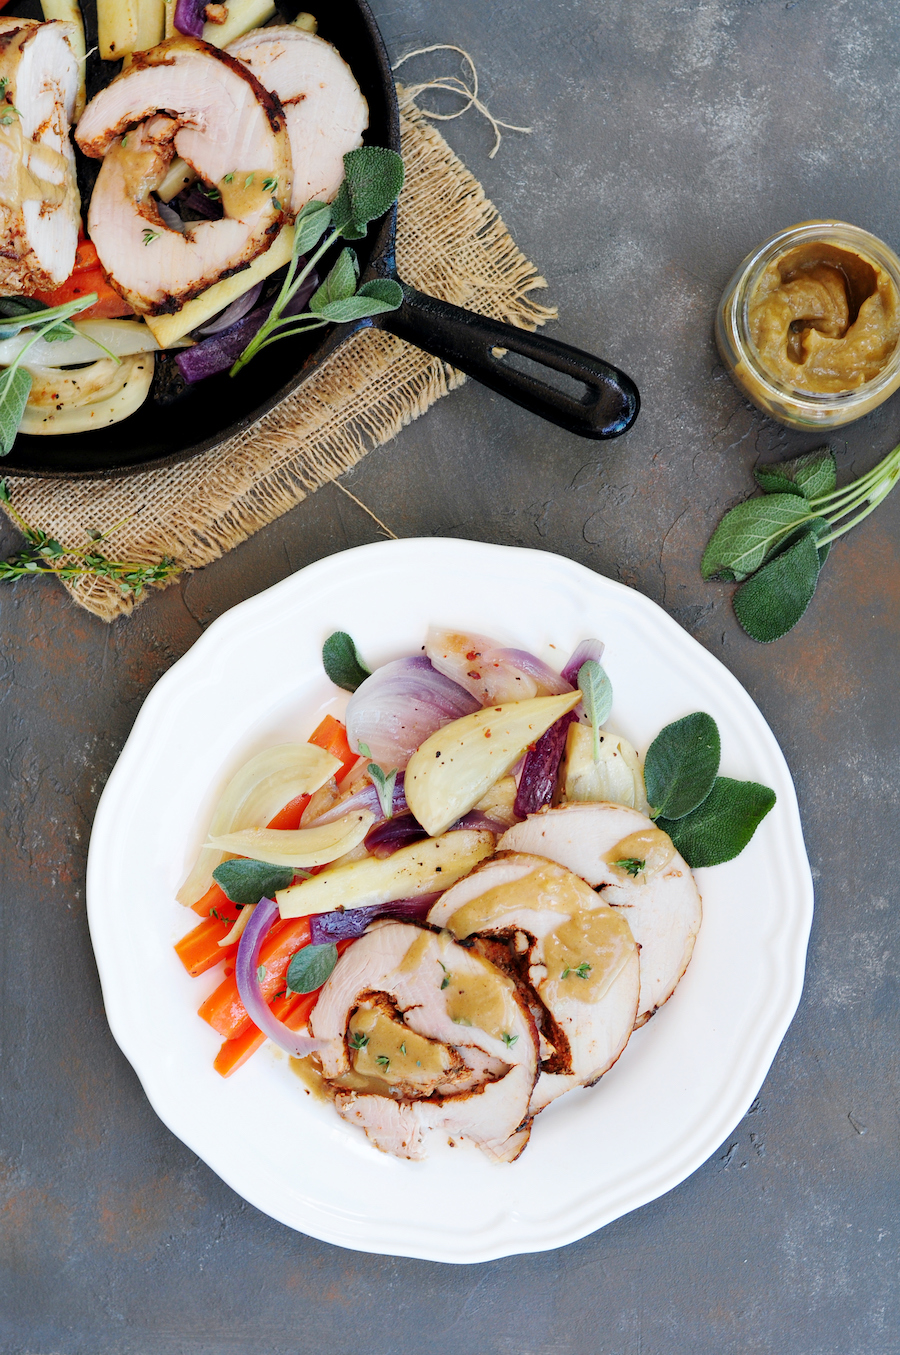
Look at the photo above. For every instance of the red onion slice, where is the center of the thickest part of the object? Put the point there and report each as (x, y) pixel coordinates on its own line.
(553, 683)
(392, 834)
(245, 967)
(365, 798)
(189, 17)
(538, 780)
(587, 649)
(348, 925)
(400, 705)
(236, 311)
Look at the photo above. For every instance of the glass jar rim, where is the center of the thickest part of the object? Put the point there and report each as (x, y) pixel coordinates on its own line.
(841, 234)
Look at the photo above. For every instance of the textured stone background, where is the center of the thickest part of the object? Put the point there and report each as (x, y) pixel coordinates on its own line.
(669, 139)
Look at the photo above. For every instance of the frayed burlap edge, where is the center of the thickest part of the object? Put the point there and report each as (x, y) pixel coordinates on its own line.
(451, 243)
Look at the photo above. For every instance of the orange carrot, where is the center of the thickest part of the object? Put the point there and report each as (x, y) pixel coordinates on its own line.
(200, 949)
(216, 902)
(289, 817)
(108, 306)
(224, 1010)
(332, 736)
(293, 1009)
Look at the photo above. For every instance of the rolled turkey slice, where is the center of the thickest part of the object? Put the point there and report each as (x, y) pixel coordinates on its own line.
(324, 107)
(187, 98)
(577, 954)
(661, 901)
(426, 1038)
(39, 201)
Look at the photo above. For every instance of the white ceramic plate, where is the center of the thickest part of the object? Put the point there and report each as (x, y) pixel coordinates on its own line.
(255, 678)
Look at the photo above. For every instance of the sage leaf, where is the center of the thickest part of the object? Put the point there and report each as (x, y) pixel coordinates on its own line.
(773, 601)
(341, 661)
(339, 284)
(720, 828)
(312, 223)
(596, 697)
(15, 388)
(247, 882)
(385, 290)
(750, 533)
(310, 967)
(357, 307)
(681, 765)
(810, 475)
(373, 178)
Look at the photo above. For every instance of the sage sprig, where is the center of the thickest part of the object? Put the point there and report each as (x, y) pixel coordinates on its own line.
(373, 177)
(45, 555)
(775, 545)
(343, 662)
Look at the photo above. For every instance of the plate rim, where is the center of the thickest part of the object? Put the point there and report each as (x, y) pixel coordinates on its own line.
(740, 1095)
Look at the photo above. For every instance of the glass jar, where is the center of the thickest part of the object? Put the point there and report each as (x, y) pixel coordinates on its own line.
(784, 402)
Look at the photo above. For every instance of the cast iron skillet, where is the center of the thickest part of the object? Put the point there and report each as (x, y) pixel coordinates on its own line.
(605, 406)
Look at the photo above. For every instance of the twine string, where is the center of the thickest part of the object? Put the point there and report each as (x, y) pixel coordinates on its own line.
(455, 84)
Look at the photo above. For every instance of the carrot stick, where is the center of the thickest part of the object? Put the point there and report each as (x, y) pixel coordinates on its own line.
(332, 736)
(215, 902)
(224, 1010)
(293, 1009)
(289, 817)
(235, 1052)
(200, 949)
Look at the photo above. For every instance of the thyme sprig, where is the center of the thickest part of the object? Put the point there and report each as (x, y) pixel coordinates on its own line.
(45, 555)
(373, 177)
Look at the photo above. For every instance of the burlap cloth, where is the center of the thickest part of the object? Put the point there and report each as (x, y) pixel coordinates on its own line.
(451, 244)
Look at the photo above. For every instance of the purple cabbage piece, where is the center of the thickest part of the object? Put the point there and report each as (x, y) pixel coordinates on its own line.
(390, 835)
(201, 203)
(587, 649)
(352, 922)
(220, 351)
(538, 780)
(189, 17)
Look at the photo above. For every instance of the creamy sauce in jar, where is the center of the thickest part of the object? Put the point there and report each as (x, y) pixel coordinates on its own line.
(824, 319)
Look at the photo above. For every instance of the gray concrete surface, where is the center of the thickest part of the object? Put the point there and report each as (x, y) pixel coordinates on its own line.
(669, 139)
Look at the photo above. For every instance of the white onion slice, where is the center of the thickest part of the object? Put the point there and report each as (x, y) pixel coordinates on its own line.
(253, 796)
(300, 847)
(399, 706)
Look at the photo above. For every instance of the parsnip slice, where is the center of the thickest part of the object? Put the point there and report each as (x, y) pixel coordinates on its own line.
(421, 868)
(243, 17)
(615, 778)
(455, 767)
(302, 847)
(168, 329)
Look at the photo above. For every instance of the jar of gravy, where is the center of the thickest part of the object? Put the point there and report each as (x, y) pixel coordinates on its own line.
(809, 326)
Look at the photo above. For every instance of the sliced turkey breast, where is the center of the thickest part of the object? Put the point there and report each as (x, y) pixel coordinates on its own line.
(660, 900)
(187, 98)
(39, 201)
(325, 110)
(426, 1037)
(576, 953)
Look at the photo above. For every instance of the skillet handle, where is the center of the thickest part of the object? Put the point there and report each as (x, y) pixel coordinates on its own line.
(608, 407)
